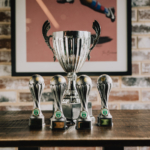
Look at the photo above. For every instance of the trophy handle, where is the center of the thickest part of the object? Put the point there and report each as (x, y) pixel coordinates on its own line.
(97, 29)
(46, 27)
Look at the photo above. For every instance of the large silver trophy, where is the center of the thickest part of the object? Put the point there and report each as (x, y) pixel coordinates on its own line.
(71, 48)
(104, 85)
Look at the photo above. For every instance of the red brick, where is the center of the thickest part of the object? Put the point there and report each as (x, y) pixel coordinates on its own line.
(135, 81)
(5, 43)
(137, 3)
(140, 28)
(5, 29)
(110, 106)
(124, 96)
(15, 108)
(135, 68)
(47, 83)
(145, 67)
(93, 96)
(140, 55)
(13, 83)
(5, 56)
(144, 15)
(5, 70)
(134, 42)
(143, 42)
(135, 106)
(8, 96)
(115, 82)
(145, 95)
(5, 16)
(27, 97)
(134, 15)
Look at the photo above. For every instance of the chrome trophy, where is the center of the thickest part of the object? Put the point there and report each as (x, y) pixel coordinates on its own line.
(104, 85)
(36, 86)
(71, 48)
(58, 85)
(84, 86)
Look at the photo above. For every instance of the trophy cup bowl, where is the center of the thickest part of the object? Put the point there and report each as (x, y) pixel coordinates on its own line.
(71, 48)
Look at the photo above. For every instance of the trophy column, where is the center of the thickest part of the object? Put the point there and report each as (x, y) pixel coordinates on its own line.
(58, 85)
(84, 85)
(36, 86)
(104, 84)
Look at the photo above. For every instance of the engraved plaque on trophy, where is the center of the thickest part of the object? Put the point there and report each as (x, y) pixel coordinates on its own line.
(104, 84)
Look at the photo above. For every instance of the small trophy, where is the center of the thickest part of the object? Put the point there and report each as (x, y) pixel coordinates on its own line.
(104, 84)
(36, 85)
(84, 85)
(58, 86)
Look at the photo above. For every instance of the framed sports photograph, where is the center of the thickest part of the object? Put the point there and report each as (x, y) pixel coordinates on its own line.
(30, 54)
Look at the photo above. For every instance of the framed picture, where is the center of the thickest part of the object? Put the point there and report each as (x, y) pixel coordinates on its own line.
(30, 54)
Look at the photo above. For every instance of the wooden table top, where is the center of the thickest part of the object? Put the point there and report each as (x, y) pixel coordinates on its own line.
(130, 128)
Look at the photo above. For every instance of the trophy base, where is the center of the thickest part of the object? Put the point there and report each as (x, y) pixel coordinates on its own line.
(36, 122)
(72, 110)
(59, 124)
(81, 125)
(104, 121)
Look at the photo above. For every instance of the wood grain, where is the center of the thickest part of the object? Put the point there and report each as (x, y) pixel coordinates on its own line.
(130, 128)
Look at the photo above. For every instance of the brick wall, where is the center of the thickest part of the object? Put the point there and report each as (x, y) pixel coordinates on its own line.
(129, 92)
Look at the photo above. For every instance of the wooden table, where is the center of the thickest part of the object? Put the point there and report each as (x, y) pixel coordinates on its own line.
(130, 128)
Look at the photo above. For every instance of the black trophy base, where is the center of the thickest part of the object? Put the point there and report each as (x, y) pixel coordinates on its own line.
(104, 122)
(83, 125)
(36, 122)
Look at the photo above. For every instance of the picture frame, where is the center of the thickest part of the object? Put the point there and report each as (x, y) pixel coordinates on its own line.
(21, 67)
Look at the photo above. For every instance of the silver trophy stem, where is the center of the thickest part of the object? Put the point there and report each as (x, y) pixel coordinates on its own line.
(36, 91)
(57, 91)
(104, 90)
(84, 93)
(71, 94)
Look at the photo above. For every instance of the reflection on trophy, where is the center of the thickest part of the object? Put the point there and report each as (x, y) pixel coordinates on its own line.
(104, 84)
(58, 85)
(36, 85)
(71, 48)
(84, 85)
